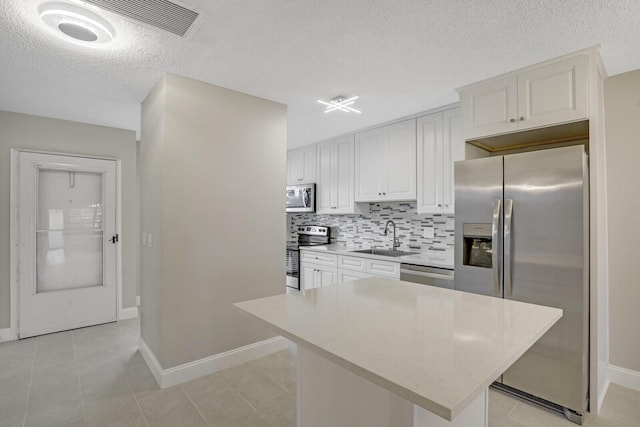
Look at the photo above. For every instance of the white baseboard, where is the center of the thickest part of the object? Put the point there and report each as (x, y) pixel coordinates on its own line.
(151, 361)
(128, 313)
(188, 371)
(624, 377)
(8, 334)
(602, 393)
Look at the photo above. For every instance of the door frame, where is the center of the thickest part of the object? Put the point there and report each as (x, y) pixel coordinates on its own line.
(14, 227)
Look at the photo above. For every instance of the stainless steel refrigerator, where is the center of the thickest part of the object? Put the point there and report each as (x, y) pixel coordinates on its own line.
(522, 233)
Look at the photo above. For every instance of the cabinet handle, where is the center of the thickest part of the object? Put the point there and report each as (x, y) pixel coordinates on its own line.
(384, 194)
(522, 118)
(512, 120)
(439, 205)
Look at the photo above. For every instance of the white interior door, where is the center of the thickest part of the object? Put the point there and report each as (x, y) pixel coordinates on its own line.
(67, 242)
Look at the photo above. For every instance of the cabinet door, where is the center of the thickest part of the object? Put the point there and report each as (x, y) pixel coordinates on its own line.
(453, 150)
(344, 176)
(553, 93)
(307, 275)
(308, 164)
(399, 175)
(430, 166)
(327, 276)
(301, 165)
(490, 108)
(293, 166)
(325, 183)
(369, 150)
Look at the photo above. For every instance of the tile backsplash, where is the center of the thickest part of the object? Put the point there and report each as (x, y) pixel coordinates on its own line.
(368, 230)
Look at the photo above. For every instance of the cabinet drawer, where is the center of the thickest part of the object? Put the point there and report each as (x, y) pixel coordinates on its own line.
(318, 258)
(348, 275)
(383, 268)
(351, 263)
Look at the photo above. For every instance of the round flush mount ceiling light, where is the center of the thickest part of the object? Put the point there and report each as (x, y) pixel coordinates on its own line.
(76, 24)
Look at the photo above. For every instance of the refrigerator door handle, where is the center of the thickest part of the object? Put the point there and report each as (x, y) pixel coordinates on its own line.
(494, 252)
(508, 217)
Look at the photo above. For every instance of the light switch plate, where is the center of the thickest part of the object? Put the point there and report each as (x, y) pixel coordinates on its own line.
(149, 240)
(428, 233)
(144, 239)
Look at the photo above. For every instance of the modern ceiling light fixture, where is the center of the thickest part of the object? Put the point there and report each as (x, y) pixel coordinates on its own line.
(76, 24)
(341, 103)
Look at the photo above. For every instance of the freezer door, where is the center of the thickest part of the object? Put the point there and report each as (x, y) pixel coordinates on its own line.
(478, 202)
(546, 262)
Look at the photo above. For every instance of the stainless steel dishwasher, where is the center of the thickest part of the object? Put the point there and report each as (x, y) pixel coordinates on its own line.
(432, 276)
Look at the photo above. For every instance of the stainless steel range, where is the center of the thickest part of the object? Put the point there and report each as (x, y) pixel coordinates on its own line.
(308, 235)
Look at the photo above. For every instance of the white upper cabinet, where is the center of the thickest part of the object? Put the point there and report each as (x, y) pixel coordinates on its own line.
(554, 93)
(301, 165)
(335, 184)
(453, 150)
(440, 144)
(385, 163)
(540, 96)
(490, 108)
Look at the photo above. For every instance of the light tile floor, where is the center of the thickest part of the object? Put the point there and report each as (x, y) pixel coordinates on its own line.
(96, 377)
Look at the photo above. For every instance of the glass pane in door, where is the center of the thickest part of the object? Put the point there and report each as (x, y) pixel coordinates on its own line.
(69, 234)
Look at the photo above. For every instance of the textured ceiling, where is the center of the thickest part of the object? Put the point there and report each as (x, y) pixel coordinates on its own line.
(400, 56)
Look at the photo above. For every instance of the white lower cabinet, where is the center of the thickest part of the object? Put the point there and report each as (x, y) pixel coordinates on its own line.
(318, 270)
(354, 268)
(318, 276)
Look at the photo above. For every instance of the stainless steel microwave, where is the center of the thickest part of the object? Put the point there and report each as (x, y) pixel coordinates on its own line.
(301, 198)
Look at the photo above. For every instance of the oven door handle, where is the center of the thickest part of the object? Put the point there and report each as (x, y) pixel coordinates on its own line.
(305, 197)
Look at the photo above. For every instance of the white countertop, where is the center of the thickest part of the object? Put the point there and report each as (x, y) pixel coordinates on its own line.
(428, 259)
(437, 348)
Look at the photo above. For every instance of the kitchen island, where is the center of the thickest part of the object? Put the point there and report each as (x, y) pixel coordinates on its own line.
(382, 352)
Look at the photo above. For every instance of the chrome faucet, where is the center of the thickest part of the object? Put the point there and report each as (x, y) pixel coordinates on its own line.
(396, 242)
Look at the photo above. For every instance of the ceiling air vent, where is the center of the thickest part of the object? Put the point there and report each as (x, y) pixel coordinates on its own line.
(161, 14)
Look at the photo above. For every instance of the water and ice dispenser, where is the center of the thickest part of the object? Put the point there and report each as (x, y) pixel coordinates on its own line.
(477, 245)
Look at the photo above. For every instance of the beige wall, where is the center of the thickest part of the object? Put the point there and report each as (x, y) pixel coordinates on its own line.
(151, 163)
(222, 208)
(622, 118)
(38, 133)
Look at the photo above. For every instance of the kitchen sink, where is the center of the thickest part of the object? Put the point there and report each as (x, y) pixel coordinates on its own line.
(384, 252)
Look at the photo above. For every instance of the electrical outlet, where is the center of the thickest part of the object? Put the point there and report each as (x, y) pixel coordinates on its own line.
(428, 233)
(144, 239)
(149, 240)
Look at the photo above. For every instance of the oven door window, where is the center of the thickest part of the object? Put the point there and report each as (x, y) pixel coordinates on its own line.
(292, 263)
